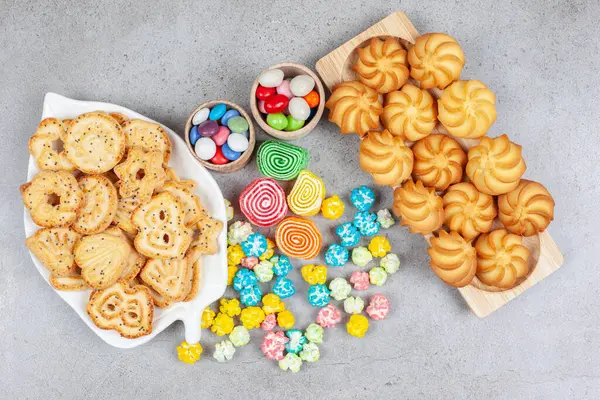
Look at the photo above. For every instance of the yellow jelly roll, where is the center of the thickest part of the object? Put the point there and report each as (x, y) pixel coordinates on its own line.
(307, 195)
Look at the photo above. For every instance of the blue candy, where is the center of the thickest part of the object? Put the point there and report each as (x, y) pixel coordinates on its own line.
(251, 295)
(244, 278)
(297, 340)
(372, 228)
(362, 198)
(229, 154)
(336, 255)
(229, 114)
(362, 219)
(284, 288)
(281, 265)
(255, 245)
(348, 233)
(194, 135)
(318, 295)
(217, 112)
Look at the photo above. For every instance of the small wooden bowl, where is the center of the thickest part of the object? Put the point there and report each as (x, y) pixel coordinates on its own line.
(233, 165)
(289, 70)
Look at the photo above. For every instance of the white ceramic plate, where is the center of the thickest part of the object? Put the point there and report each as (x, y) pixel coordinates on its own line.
(214, 268)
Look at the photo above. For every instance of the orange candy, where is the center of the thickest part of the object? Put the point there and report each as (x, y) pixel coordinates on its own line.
(298, 238)
(312, 99)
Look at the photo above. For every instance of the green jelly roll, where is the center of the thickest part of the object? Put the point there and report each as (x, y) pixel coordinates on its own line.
(280, 160)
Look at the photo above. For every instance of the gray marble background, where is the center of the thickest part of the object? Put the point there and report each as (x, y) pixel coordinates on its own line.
(162, 58)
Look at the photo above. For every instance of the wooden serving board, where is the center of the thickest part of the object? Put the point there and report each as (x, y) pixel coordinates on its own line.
(336, 67)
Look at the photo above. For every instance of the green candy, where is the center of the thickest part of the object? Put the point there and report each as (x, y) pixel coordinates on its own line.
(277, 121)
(237, 124)
(280, 160)
(293, 124)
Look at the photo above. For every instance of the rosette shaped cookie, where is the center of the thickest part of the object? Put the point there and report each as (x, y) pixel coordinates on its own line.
(354, 107)
(43, 149)
(149, 136)
(382, 65)
(467, 109)
(496, 165)
(439, 161)
(54, 248)
(468, 211)
(140, 173)
(410, 113)
(386, 158)
(526, 210)
(419, 207)
(501, 259)
(453, 259)
(436, 60)
(100, 202)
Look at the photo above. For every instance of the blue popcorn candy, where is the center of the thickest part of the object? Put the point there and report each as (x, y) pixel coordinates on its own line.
(255, 245)
(318, 295)
(336, 255)
(250, 295)
(371, 229)
(362, 198)
(244, 278)
(281, 265)
(364, 218)
(297, 340)
(284, 288)
(348, 233)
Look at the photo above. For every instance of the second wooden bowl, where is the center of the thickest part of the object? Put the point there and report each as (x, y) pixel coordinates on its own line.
(289, 71)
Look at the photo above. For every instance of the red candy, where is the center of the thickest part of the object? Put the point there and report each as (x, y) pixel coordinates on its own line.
(276, 103)
(263, 202)
(263, 92)
(219, 158)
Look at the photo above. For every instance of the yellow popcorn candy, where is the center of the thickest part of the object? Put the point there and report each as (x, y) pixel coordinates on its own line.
(379, 246)
(230, 307)
(189, 353)
(358, 325)
(235, 254)
(314, 274)
(208, 317)
(285, 319)
(231, 271)
(272, 304)
(269, 252)
(332, 207)
(252, 317)
(223, 325)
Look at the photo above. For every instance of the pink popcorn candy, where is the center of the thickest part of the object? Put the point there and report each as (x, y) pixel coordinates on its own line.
(269, 323)
(379, 307)
(273, 345)
(249, 262)
(360, 280)
(328, 316)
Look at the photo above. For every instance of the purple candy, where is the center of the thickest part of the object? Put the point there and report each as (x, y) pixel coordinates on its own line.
(208, 128)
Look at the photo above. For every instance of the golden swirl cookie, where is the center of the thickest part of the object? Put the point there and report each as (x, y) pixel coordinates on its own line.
(410, 113)
(439, 161)
(382, 65)
(527, 209)
(495, 165)
(140, 173)
(453, 259)
(94, 142)
(354, 107)
(149, 136)
(99, 204)
(501, 259)
(44, 143)
(54, 248)
(467, 109)
(386, 158)
(419, 207)
(468, 211)
(436, 60)
(53, 198)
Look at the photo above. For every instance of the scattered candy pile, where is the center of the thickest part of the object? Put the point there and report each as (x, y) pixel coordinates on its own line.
(287, 102)
(219, 134)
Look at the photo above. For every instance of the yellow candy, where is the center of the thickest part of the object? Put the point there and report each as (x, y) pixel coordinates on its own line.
(223, 325)
(358, 325)
(285, 319)
(272, 304)
(231, 271)
(379, 246)
(333, 207)
(230, 307)
(189, 353)
(270, 250)
(307, 194)
(314, 274)
(252, 317)
(235, 254)
(208, 317)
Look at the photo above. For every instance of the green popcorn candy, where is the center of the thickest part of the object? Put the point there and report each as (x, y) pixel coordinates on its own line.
(361, 256)
(310, 352)
(314, 333)
(291, 361)
(377, 276)
(390, 262)
(239, 336)
(264, 271)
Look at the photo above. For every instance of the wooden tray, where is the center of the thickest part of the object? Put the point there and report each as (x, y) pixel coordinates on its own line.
(336, 67)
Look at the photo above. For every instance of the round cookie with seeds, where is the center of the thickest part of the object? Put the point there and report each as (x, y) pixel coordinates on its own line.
(149, 136)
